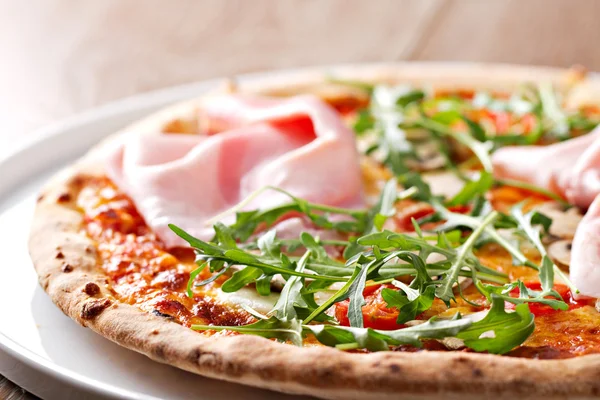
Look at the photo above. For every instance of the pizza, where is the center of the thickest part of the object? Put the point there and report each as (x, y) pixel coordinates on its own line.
(377, 232)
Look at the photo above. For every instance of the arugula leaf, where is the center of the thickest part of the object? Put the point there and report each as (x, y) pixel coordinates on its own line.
(553, 112)
(290, 297)
(357, 300)
(272, 328)
(525, 223)
(193, 276)
(376, 340)
(499, 332)
(364, 122)
(444, 291)
(476, 130)
(473, 189)
(263, 285)
(241, 278)
(409, 305)
(410, 97)
(527, 295)
(385, 206)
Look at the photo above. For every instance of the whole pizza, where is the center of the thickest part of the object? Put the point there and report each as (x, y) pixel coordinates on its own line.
(414, 230)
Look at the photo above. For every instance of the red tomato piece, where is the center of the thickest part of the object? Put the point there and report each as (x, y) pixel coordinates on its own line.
(376, 315)
(538, 309)
(421, 210)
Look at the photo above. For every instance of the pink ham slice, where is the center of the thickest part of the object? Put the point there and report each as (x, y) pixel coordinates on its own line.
(585, 252)
(572, 170)
(298, 144)
(560, 167)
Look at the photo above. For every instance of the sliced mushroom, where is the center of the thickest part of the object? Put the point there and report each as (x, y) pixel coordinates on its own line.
(560, 252)
(452, 343)
(444, 183)
(564, 222)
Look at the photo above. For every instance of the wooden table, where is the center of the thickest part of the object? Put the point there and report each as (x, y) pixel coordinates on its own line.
(61, 57)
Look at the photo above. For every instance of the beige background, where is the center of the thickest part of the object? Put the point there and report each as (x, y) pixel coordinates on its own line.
(59, 57)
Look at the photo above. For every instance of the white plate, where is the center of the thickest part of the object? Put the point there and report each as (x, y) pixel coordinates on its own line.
(40, 348)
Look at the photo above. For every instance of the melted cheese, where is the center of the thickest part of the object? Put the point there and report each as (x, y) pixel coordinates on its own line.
(248, 297)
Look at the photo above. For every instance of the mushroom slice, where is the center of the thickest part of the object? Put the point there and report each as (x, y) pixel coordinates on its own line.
(560, 252)
(564, 222)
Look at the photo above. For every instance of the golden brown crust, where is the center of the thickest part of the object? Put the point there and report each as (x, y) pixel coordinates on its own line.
(65, 260)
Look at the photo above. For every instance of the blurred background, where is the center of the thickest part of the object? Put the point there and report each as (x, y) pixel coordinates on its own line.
(63, 56)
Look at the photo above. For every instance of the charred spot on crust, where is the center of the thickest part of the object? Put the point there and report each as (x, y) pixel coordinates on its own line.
(40, 198)
(477, 373)
(155, 332)
(93, 308)
(60, 255)
(91, 289)
(89, 249)
(159, 351)
(461, 360)
(66, 267)
(64, 197)
(204, 358)
(395, 368)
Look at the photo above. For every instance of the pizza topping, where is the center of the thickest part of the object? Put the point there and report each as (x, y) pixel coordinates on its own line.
(424, 270)
(565, 171)
(419, 268)
(573, 172)
(298, 144)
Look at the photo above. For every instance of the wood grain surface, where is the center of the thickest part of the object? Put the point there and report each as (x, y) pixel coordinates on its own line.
(62, 56)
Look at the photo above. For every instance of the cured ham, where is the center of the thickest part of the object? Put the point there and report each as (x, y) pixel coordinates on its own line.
(246, 143)
(567, 168)
(571, 169)
(585, 252)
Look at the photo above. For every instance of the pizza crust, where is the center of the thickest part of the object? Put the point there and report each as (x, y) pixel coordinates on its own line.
(66, 263)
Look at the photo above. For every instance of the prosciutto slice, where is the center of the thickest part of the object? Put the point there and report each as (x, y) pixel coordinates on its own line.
(572, 170)
(246, 143)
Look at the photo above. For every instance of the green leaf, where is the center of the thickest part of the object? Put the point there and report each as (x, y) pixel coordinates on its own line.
(525, 224)
(263, 285)
(241, 278)
(376, 340)
(444, 290)
(267, 245)
(553, 111)
(316, 250)
(476, 130)
(411, 304)
(193, 276)
(355, 294)
(473, 188)
(410, 97)
(224, 236)
(394, 298)
(364, 122)
(385, 206)
(290, 297)
(197, 244)
(272, 328)
(547, 274)
(499, 332)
